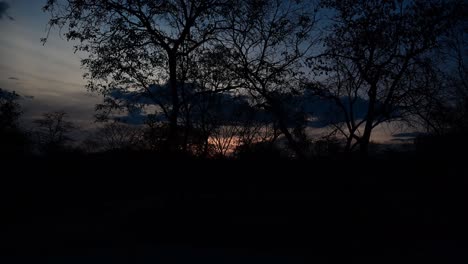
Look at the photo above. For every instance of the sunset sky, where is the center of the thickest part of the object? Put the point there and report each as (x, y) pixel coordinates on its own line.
(49, 76)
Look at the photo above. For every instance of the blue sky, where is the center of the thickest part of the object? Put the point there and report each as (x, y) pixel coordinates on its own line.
(50, 73)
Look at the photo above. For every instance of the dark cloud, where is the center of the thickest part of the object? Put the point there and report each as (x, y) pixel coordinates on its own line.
(137, 117)
(326, 112)
(8, 95)
(407, 135)
(14, 78)
(228, 109)
(232, 109)
(4, 6)
(402, 140)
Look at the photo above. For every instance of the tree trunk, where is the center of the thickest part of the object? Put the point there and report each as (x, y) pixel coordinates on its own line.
(173, 129)
(292, 143)
(364, 144)
(187, 127)
(278, 113)
(349, 140)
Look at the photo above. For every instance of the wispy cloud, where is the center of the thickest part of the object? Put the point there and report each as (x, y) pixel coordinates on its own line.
(4, 6)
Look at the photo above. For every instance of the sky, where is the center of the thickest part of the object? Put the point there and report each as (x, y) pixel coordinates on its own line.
(49, 77)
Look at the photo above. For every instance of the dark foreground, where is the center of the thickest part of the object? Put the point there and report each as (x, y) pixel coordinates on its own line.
(142, 210)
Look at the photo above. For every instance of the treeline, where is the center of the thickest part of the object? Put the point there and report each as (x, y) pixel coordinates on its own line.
(215, 77)
(55, 134)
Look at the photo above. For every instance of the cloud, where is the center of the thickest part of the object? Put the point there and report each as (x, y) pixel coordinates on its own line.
(402, 140)
(326, 112)
(14, 78)
(228, 108)
(4, 6)
(407, 135)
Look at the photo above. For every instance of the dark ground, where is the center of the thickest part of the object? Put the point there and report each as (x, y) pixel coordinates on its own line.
(144, 210)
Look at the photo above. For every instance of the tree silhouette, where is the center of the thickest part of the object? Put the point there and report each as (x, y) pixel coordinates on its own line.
(445, 116)
(175, 60)
(135, 44)
(53, 131)
(374, 51)
(10, 110)
(12, 139)
(263, 49)
(447, 111)
(116, 136)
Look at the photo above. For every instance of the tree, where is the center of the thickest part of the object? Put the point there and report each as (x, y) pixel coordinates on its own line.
(10, 110)
(374, 51)
(12, 139)
(208, 93)
(53, 131)
(224, 139)
(133, 44)
(445, 117)
(457, 80)
(447, 109)
(118, 136)
(264, 48)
